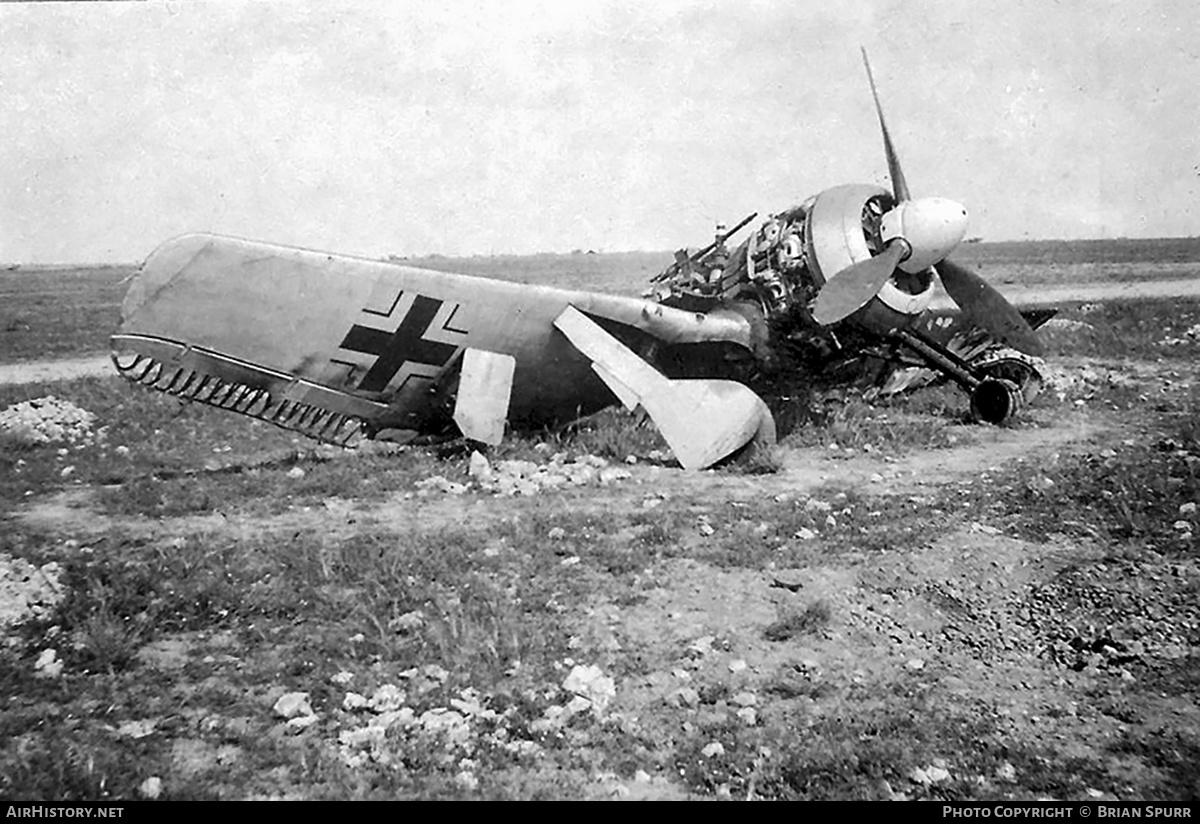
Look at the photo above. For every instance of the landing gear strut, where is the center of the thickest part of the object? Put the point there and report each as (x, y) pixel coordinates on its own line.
(997, 390)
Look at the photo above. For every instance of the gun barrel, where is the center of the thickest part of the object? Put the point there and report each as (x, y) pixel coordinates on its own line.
(696, 257)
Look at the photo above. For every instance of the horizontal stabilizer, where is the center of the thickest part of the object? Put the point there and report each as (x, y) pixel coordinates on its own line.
(209, 377)
(484, 391)
(702, 421)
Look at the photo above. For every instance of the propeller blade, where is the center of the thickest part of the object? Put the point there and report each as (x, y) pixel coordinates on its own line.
(850, 289)
(899, 184)
(987, 308)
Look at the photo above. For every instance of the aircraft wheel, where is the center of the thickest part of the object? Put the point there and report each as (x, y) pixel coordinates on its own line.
(1019, 371)
(995, 401)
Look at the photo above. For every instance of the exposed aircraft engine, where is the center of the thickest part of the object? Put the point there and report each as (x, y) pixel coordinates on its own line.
(845, 228)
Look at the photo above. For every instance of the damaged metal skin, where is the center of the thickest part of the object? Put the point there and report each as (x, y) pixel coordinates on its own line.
(371, 341)
(337, 346)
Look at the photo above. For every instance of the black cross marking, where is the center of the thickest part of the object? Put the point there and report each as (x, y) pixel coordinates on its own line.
(394, 349)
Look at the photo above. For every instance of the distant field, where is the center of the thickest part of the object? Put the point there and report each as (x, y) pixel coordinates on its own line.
(56, 312)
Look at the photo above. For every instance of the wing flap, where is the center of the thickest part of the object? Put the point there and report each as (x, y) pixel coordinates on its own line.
(212, 378)
(484, 392)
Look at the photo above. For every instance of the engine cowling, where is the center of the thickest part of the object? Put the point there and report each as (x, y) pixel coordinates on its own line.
(844, 227)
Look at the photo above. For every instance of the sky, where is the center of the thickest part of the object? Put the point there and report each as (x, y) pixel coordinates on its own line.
(462, 128)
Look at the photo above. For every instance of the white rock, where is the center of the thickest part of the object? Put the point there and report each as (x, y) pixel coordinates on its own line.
(1187, 509)
(712, 750)
(748, 716)
(804, 534)
(354, 702)
(293, 705)
(137, 729)
(48, 664)
(932, 774)
(613, 474)
(737, 666)
(577, 705)
(301, 722)
(479, 468)
(388, 698)
(408, 622)
(295, 473)
(151, 788)
(591, 683)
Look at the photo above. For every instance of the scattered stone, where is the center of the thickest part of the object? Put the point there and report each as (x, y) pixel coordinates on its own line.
(388, 698)
(480, 469)
(932, 774)
(49, 420)
(27, 592)
(48, 665)
(301, 723)
(1006, 772)
(556, 534)
(408, 622)
(737, 666)
(702, 645)
(748, 715)
(467, 780)
(712, 750)
(745, 699)
(354, 702)
(151, 788)
(293, 705)
(296, 473)
(1187, 509)
(137, 729)
(915, 664)
(591, 683)
(804, 534)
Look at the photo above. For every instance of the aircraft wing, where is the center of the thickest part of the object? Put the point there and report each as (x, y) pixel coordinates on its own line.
(327, 344)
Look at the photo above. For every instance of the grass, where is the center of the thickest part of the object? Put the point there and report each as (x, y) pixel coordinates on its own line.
(1129, 492)
(56, 313)
(194, 626)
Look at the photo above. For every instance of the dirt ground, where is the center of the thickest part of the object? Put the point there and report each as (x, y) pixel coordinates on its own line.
(958, 620)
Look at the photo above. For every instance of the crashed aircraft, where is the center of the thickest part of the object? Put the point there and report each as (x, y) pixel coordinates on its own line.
(339, 348)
